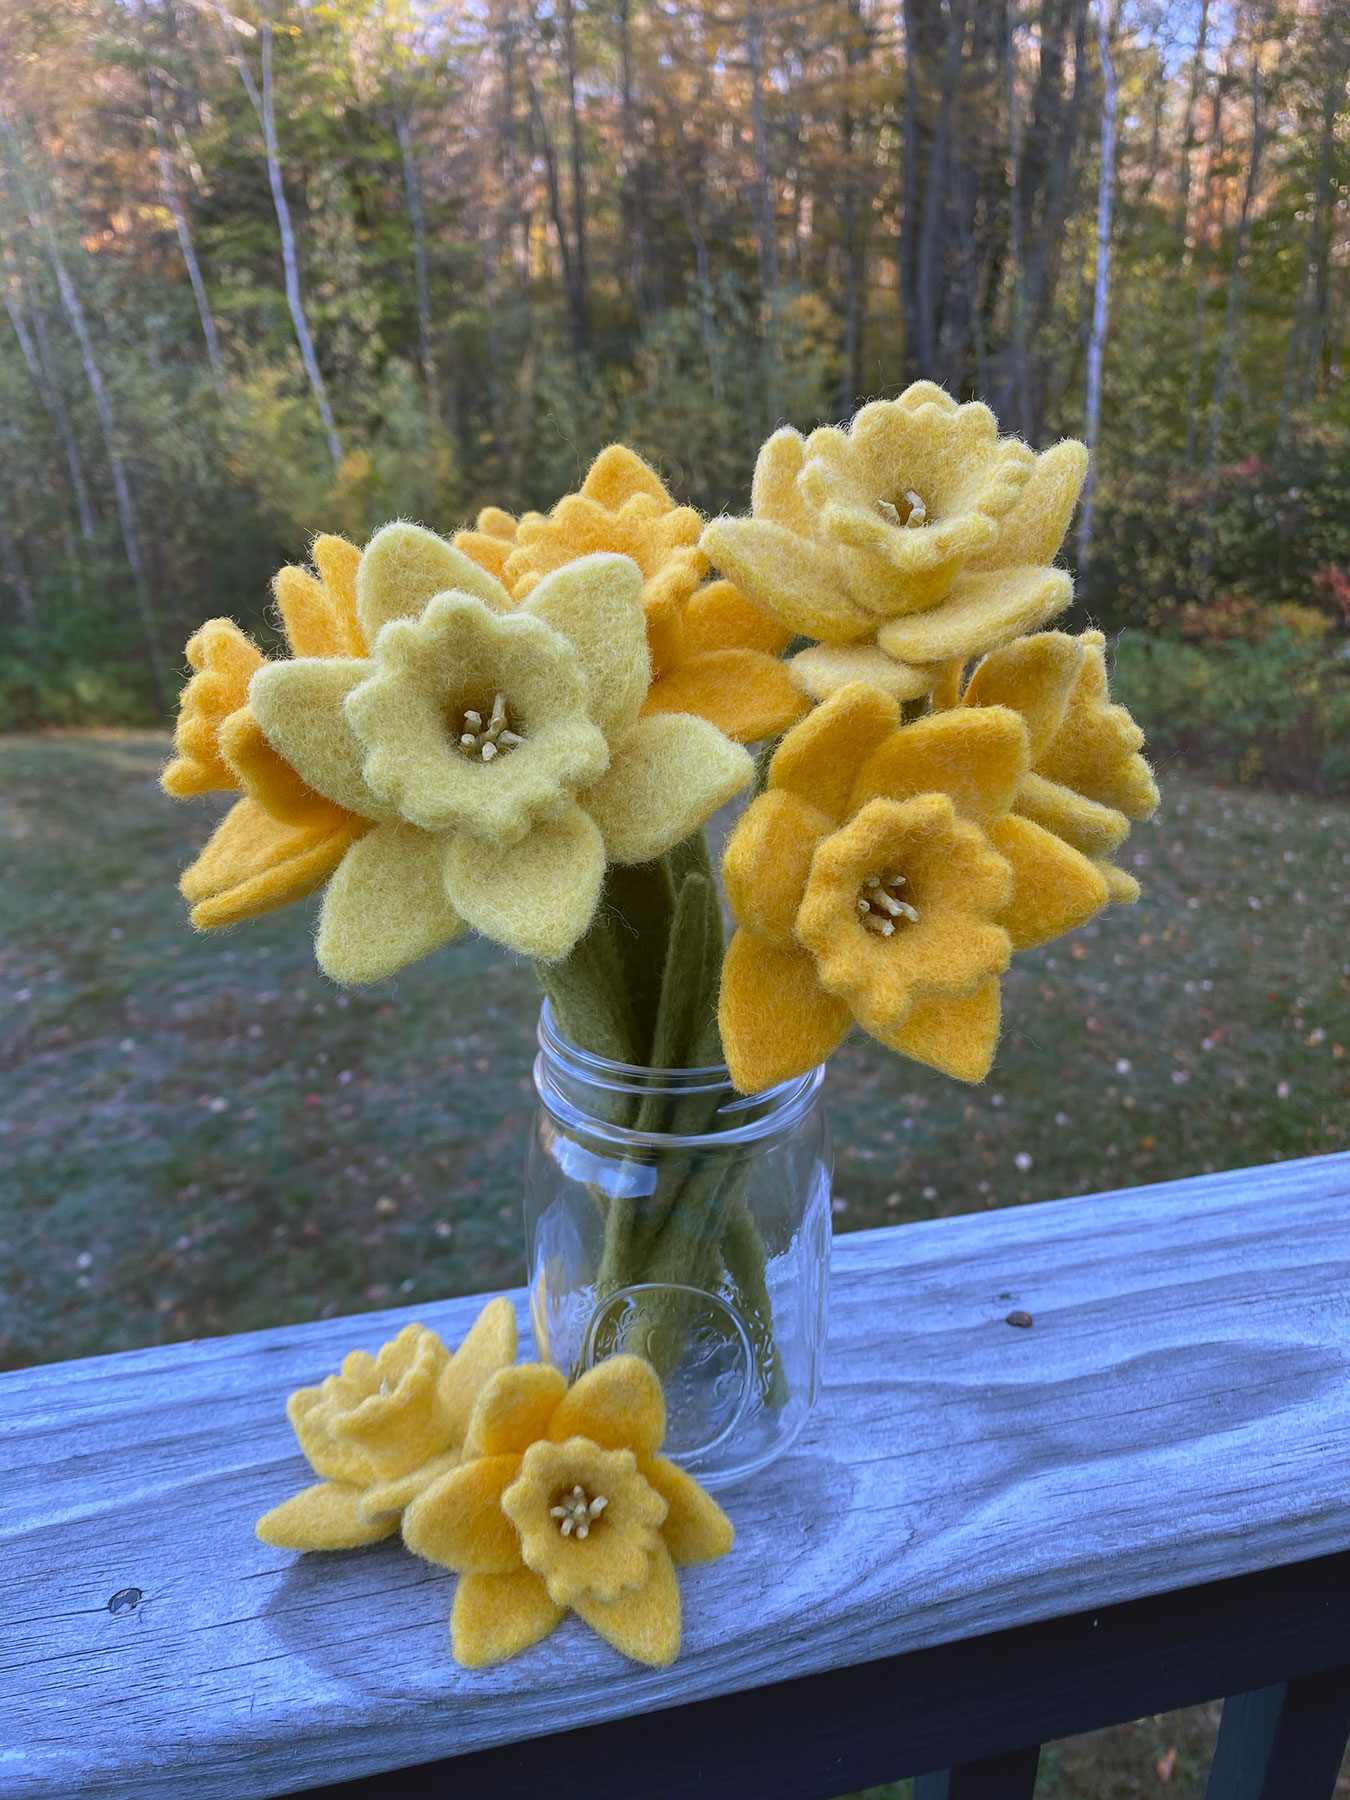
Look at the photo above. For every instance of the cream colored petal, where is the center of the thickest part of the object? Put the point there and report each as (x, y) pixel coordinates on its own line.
(644, 1625)
(300, 706)
(596, 602)
(538, 896)
(1033, 529)
(496, 1616)
(669, 775)
(774, 494)
(789, 576)
(980, 613)
(404, 565)
(824, 668)
(322, 1517)
(386, 906)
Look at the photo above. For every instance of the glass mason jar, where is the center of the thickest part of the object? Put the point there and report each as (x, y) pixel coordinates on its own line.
(669, 1216)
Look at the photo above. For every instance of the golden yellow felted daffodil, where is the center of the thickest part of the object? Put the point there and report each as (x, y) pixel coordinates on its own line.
(492, 539)
(882, 876)
(718, 655)
(566, 1504)
(496, 750)
(915, 536)
(1087, 780)
(384, 1429)
(282, 840)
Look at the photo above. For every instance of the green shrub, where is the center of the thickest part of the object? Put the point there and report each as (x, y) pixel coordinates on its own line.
(1276, 712)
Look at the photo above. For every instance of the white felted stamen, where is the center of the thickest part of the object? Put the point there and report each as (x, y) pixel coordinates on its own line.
(484, 743)
(576, 1513)
(880, 905)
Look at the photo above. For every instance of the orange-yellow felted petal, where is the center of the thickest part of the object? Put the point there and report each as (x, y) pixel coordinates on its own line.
(490, 1345)
(320, 616)
(496, 1616)
(775, 1018)
(768, 860)
(458, 1520)
(744, 693)
(1095, 750)
(337, 562)
(1094, 829)
(1033, 528)
(269, 779)
(643, 1624)
(981, 612)
(978, 757)
(617, 474)
(957, 1037)
(819, 758)
(1121, 889)
(253, 864)
(951, 878)
(605, 1548)
(618, 1404)
(787, 575)
(323, 1517)
(514, 1408)
(720, 617)
(1034, 677)
(1055, 889)
(224, 660)
(696, 1529)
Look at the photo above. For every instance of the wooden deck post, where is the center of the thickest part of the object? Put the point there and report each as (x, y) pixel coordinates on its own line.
(1011, 1777)
(1284, 1742)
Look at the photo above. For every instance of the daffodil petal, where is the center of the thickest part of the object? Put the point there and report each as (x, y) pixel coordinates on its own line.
(617, 474)
(1121, 889)
(767, 861)
(979, 613)
(744, 693)
(322, 1517)
(955, 1037)
(301, 706)
(538, 896)
(253, 864)
(458, 1521)
(513, 1409)
(404, 565)
(774, 495)
(386, 906)
(788, 575)
(1055, 888)
(979, 757)
(695, 1529)
(818, 759)
(618, 1404)
(1094, 829)
(596, 603)
(669, 775)
(490, 1345)
(776, 1019)
(496, 1616)
(825, 668)
(1033, 529)
(393, 1496)
(643, 1624)
(1034, 677)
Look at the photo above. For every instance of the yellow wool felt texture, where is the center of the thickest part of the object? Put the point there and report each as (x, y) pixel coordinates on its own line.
(744, 693)
(767, 863)
(672, 754)
(496, 1519)
(383, 1428)
(957, 1037)
(386, 906)
(254, 863)
(268, 778)
(403, 566)
(1095, 751)
(775, 1019)
(224, 661)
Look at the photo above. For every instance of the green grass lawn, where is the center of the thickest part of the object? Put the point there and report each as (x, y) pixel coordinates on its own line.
(200, 1134)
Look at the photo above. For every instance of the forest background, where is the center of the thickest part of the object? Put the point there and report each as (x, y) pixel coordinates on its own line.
(270, 272)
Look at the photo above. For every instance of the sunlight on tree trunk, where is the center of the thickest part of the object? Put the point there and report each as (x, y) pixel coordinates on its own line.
(1101, 286)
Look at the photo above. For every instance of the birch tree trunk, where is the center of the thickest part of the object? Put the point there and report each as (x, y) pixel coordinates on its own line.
(1101, 288)
(38, 360)
(1311, 283)
(582, 301)
(173, 201)
(264, 108)
(18, 580)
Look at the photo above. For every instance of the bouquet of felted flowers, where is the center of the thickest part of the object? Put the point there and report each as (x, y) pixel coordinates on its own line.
(523, 730)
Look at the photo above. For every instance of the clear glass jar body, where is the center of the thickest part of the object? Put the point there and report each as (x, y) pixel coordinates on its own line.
(670, 1216)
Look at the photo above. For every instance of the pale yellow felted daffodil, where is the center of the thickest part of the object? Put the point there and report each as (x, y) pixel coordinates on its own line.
(282, 840)
(915, 536)
(566, 1504)
(882, 876)
(384, 1429)
(497, 751)
(1087, 779)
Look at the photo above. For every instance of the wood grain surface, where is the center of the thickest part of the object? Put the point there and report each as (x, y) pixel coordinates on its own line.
(1176, 1412)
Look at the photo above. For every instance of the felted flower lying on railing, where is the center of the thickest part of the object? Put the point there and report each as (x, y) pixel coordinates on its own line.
(383, 1429)
(1087, 780)
(497, 751)
(282, 840)
(915, 536)
(713, 652)
(566, 1504)
(882, 877)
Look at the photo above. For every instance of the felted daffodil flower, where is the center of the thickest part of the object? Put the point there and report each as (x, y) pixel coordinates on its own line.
(282, 840)
(915, 536)
(883, 877)
(713, 653)
(497, 751)
(564, 1504)
(1087, 780)
(383, 1429)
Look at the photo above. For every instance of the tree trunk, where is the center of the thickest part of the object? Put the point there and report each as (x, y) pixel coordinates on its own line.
(1197, 81)
(854, 230)
(765, 231)
(180, 222)
(40, 366)
(412, 187)
(1101, 287)
(1204, 232)
(634, 172)
(18, 580)
(581, 303)
(1312, 286)
(555, 206)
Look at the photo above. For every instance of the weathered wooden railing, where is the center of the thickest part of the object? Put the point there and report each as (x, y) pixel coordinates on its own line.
(989, 1536)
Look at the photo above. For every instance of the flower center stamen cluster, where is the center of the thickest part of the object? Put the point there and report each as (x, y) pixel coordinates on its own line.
(880, 905)
(485, 742)
(576, 1513)
(916, 513)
